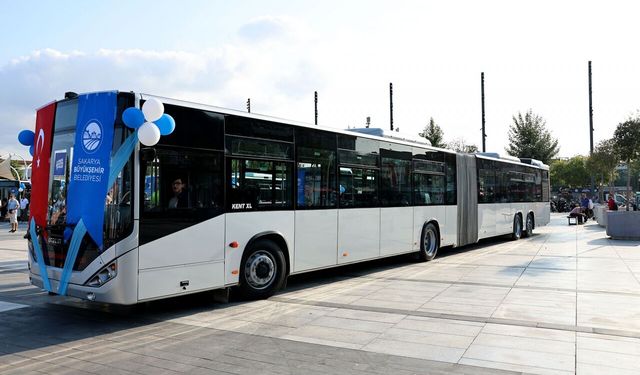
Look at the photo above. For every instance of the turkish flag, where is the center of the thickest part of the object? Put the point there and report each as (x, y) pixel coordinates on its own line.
(41, 163)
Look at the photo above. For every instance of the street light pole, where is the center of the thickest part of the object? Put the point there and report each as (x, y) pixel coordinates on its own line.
(591, 125)
(484, 135)
(391, 104)
(315, 100)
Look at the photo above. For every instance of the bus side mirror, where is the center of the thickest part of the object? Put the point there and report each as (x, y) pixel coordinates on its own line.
(148, 154)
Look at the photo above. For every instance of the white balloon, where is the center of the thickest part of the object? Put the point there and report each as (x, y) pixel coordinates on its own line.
(149, 134)
(152, 109)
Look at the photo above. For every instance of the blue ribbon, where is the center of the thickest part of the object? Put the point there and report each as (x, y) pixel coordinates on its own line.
(39, 255)
(117, 163)
(78, 233)
(122, 156)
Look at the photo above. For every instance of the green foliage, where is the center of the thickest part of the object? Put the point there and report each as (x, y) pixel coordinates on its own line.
(570, 173)
(603, 161)
(627, 140)
(433, 133)
(627, 146)
(529, 138)
(460, 145)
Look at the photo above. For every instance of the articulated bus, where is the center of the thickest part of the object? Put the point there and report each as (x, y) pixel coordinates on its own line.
(264, 198)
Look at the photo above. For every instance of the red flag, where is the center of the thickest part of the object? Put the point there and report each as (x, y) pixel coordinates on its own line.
(41, 163)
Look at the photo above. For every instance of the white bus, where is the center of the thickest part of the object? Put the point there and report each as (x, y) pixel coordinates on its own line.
(265, 198)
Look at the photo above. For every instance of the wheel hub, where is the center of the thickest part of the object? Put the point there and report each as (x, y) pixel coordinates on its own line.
(260, 270)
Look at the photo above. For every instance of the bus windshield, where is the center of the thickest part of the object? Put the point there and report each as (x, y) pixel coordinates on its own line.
(117, 204)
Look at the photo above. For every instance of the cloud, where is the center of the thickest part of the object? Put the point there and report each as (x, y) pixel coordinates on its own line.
(264, 28)
(223, 76)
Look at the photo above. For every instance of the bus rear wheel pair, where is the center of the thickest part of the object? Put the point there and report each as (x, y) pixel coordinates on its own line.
(518, 230)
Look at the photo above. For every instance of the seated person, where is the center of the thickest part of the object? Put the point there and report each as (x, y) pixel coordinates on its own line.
(179, 199)
(577, 212)
(611, 204)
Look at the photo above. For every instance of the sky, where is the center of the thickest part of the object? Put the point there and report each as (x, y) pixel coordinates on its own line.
(534, 55)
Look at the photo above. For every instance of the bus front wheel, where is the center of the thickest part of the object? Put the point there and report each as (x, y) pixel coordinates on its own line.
(429, 244)
(262, 271)
(517, 228)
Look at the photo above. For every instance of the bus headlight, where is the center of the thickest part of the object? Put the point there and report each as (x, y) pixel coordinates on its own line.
(105, 274)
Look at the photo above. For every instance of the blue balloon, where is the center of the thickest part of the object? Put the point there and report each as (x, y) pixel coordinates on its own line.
(26, 137)
(31, 150)
(133, 117)
(166, 124)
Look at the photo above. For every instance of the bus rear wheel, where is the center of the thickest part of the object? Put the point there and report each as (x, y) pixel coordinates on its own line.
(517, 228)
(262, 271)
(528, 227)
(430, 243)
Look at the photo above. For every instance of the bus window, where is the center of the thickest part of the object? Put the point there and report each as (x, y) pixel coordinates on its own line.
(486, 186)
(259, 185)
(429, 189)
(395, 182)
(179, 188)
(316, 178)
(316, 169)
(452, 192)
(358, 187)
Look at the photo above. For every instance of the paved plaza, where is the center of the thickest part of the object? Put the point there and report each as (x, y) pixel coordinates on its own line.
(564, 301)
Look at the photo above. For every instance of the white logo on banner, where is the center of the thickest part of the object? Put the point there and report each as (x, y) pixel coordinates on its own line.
(91, 137)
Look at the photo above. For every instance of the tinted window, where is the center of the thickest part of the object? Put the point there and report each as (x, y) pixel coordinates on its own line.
(486, 185)
(356, 158)
(545, 186)
(259, 147)
(347, 142)
(537, 194)
(451, 196)
(429, 167)
(395, 182)
(316, 169)
(249, 127)
(428, 189)
(422, 154)
(259, 185)
(358, 187)
(195, 128)
(179, 188)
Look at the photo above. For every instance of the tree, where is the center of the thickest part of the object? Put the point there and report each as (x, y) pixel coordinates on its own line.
(570, 173)
(602, 164)
(434, 134)
(460, 145)
(627, 147)
(529, 138)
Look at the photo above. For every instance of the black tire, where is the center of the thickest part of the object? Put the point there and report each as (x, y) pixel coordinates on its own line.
(517, 228)
(429, 244)
(528, 227)
(262, 270)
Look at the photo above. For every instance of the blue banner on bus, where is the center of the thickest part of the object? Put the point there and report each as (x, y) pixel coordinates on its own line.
(90, 164)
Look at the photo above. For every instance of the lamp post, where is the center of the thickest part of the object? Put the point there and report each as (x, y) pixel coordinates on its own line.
(25, 166)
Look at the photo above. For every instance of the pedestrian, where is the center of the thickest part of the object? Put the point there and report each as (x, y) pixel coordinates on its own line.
(3, 209)
(587, 206)
(24, 205)
(12, 211)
